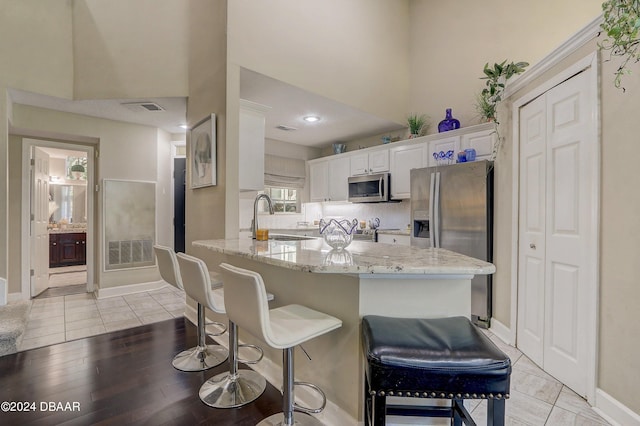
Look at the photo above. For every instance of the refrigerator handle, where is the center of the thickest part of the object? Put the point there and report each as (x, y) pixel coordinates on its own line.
(432, 183)
(436, 212)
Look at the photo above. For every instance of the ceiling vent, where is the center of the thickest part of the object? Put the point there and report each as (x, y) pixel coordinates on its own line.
(143, 106)
(286, 128)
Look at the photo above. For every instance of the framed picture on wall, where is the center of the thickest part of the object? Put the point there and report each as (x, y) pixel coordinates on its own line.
(203, 153)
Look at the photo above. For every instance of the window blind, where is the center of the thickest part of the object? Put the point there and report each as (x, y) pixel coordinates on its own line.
(284, 172)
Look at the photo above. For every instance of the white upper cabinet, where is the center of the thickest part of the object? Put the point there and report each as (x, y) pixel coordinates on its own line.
(338, 175)
(451, 143)
(251, 146)
(370, 162)
(328, 179)
(481, 141)
(319, 180)
(402, 160)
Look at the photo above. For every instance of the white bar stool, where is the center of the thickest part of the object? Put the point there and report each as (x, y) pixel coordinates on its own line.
(203, 356)
(281, 328)
(236, 387)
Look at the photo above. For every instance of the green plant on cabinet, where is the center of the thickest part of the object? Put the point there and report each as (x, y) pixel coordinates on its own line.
(621, 25)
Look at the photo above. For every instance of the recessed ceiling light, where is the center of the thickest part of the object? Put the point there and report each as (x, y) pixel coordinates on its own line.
(311, 118)
(184, 126)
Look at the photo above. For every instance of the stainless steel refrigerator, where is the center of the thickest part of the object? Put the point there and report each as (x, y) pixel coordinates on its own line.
(452, 208)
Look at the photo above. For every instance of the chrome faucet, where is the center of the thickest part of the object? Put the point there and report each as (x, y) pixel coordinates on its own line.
(254, 222)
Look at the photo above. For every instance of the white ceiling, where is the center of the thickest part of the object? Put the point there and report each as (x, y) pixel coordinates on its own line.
(288, 105)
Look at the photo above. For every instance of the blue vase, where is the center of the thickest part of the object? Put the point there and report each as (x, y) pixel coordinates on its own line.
(449, 123)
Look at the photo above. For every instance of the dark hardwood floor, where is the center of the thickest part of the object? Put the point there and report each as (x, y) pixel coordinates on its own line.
(122, 378)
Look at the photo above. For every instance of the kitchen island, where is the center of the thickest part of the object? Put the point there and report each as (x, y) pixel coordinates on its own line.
(366, 278)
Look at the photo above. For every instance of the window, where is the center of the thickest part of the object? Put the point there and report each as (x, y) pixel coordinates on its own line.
(285, 200)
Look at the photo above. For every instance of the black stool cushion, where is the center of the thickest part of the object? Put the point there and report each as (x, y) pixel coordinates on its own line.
(443, 355)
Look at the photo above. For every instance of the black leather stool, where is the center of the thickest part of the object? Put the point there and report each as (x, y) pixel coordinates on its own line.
(446, 358)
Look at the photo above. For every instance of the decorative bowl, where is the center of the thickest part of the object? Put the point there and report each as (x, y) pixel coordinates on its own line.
(338, 233)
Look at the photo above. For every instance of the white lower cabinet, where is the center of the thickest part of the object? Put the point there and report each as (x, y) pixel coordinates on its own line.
(403, 240)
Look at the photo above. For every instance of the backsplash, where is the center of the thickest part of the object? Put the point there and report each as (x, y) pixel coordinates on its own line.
(392, 215)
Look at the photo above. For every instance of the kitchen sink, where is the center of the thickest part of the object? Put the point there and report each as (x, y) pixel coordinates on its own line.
(280, 237)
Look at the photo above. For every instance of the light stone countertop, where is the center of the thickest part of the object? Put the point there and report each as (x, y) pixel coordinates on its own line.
(68, 231)
(405, 231)
(360, 257)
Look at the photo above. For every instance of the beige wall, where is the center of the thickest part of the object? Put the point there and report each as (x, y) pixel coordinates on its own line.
(355, 52)
(205, 207)
(452, 41)
(130, 49)
(123, 148)
(35, 55)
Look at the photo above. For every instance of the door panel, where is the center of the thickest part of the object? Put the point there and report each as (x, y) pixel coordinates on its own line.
(40, 219)
(571, 189)
(179, 219)
(531, 268)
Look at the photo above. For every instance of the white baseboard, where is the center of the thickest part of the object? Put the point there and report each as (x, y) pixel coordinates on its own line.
(501, 331)
(272, 372)
(122, 290)
(614, 411)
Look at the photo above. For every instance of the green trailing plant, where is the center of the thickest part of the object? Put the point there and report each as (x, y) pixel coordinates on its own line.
(417, 124)
(621, 24)
(487, 101)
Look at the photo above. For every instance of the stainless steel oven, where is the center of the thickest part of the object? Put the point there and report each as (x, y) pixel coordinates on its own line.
(369, 188)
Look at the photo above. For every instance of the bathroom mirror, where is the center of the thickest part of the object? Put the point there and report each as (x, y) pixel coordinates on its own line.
(68, 202)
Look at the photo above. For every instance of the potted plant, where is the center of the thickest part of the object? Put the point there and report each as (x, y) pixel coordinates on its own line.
(487, 101)
(77, 170)
(417, 125)
(621, 24)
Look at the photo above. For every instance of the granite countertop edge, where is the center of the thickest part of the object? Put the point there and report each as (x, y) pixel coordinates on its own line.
(359, 258)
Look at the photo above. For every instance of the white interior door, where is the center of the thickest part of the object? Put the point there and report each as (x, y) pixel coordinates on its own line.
(39, 222)
(558, 239)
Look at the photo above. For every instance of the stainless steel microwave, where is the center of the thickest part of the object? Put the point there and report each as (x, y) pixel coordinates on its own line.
(369, 188)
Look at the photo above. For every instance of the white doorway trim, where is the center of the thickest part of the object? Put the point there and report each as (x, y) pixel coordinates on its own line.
(25, 266)
(590, 61)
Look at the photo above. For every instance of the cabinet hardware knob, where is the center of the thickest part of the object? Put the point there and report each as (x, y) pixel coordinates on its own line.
(533, 246)
(54, 244)
(77, 242)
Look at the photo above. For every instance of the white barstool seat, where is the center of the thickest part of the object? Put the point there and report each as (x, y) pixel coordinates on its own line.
(281, 328)
(203, 356)
(236, 387)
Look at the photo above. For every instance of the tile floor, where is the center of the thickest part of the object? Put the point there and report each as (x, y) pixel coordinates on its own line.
(536, 397)
(63, 318)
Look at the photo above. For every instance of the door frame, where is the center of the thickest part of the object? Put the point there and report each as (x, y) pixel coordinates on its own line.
(590, 61)
(174, 154)
(27, 144)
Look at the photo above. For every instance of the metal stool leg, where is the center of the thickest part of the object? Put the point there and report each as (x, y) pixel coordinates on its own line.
(203, 356)
(286, 418)
(495, 412)
(234, 388)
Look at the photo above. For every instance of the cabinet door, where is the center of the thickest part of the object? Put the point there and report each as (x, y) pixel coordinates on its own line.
(359, 164)
(402, 160)
(379, 161)
(54, 253)
(446, 144)
(251, 146)
(339, 169)
(319, 181)
(82, 255)
(482, 142)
